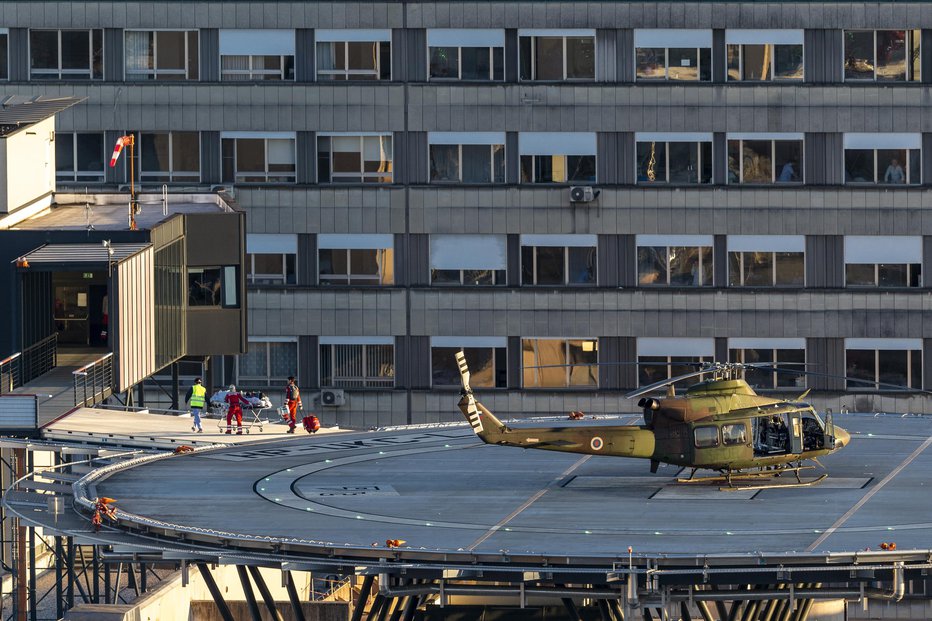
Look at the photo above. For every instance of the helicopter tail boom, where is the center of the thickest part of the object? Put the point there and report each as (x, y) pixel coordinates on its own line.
(482, 421)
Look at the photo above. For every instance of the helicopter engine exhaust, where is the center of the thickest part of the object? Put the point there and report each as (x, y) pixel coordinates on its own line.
(649, 405)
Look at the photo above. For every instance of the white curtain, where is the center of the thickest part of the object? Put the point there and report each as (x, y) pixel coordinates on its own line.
(139, 52)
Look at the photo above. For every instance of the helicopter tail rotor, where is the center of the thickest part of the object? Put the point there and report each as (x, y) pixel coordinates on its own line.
(474, 411)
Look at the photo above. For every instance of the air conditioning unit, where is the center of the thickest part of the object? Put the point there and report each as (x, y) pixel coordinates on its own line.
(332, 397)
(583, 194)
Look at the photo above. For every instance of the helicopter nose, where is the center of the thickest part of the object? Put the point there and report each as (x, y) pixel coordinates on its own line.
(842, 438)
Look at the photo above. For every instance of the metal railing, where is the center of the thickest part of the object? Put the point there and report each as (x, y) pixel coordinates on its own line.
(93, 382)
(24, 366)
(39, 358)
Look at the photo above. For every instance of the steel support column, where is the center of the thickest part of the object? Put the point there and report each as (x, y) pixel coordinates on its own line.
(704, 611)
(684, 612)
(570, 606)
(33, 612)
(247, 591)
(69, 593)
(616, 608)
(411, 608)
(364, 591)
(215, 592)
(96, 562)
(604, 611)
(736, 607)
(376, 607)
(59, 573)
(266, 594)
(293, 597)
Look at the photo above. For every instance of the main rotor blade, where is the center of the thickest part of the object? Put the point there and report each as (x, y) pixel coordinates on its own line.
(666, 382)
(847, 378)
(608, 364)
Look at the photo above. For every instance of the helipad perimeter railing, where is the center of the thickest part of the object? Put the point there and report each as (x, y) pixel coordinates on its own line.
(24, 366)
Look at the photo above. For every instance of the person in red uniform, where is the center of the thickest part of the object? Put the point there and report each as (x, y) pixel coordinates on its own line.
(235, 401)
(293, 402)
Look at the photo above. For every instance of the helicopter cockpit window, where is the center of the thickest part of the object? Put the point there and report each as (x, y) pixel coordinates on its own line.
(734, 434)
(813, 434)
(706, 437)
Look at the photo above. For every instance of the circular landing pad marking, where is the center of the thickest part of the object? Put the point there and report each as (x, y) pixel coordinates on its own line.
(283, 488)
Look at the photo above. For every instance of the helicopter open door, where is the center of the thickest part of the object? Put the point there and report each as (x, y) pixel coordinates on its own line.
(796, 433)
(829, 430)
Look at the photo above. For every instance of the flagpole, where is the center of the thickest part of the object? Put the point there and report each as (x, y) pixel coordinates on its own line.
(132, 182)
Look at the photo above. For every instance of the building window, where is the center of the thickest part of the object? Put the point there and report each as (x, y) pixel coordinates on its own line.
(556, 55)
(764, 55)
(560, 363)
(683, 55)
(169, 156)
(765, 160)
(266, 363)
(65, 54)
(357, 365)
(554, 157)
(787, 353)
(558, 260)
(895, 362)
(485, 355)
(886, 159)
(467, 158)
(363, 260)
(4, 54)
(161, 54)
(665, 358)
(354, 158)
(882, 55)
(766, 261)
(468, 260)
(257, 54)
(216, 286)
(663, 158)
(250, 158)
(678, 261)
(79, 157)
(271, 259)
(354, 54)
(877, 261)
(469, 54)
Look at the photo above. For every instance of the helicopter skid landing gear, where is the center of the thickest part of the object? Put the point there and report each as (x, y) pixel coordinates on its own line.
(737, 480)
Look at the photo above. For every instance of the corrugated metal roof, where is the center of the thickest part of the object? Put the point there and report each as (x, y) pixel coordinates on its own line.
(17, 111)
(81, 253)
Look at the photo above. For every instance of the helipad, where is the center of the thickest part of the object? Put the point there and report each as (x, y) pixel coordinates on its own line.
(450, 496)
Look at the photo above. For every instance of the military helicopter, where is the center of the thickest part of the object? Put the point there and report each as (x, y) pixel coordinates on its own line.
(719, 424)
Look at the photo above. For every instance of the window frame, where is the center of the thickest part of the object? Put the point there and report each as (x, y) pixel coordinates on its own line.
(726, 438)
(332, 280)
(910, 269)
(145, 75)
(773, 271)
(252, 74)
(270, 381)
(350, 75)
(222, 270)
(773, 55)
(499, 352)
(75, 173)
(876, 350)
(566, 266)
(564, 38)
(666, 64)
(367, 382)
(711, 253)
(353, 178)
(459, 164)
(911, 33)
(5, 48)
(61, 73)
(568, 385)
(667, 183)
(907, 168)
(534, 181)
(289, 177)
(459, 63)
(252, 278)
(774, 175)
(173, 176)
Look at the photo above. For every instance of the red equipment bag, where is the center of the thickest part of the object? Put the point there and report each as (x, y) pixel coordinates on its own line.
(311, 423)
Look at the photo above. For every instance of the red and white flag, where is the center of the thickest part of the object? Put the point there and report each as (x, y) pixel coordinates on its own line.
(121, 142)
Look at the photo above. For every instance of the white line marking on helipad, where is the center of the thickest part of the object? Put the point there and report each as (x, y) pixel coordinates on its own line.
(838, 523)
(530, 501)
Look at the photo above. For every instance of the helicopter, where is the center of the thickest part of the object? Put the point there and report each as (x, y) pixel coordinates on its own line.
(718, 424)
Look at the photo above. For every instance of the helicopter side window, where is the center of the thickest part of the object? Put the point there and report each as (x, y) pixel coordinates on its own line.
(734, 434)
(706, 437)
(813, 434)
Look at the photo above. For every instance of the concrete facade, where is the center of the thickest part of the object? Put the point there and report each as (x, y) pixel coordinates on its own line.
(615, 310)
